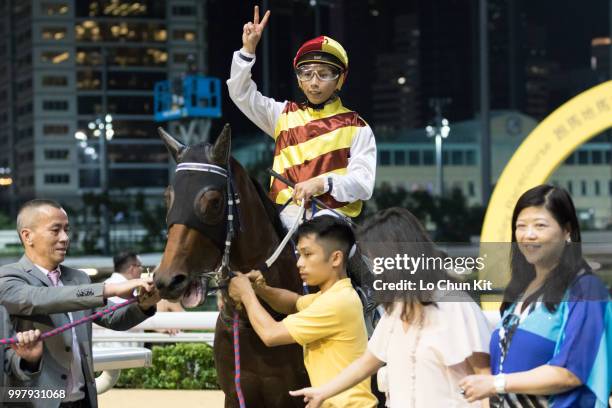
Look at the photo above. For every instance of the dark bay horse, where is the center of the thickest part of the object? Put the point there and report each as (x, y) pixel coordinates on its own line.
(197, 221)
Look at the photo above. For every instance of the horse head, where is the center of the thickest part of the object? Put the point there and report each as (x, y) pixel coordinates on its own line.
(203, 214)
(197, 206)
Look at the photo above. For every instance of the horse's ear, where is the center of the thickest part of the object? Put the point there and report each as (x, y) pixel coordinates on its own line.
(174, 146)
(220, 152)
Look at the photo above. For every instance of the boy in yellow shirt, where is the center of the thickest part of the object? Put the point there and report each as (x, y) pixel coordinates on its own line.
(328, 324)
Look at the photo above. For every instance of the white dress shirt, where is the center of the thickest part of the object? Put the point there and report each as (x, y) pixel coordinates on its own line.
(76, 379)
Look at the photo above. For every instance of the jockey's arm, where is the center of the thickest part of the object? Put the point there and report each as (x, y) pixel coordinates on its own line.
(271, 332)
(261, 110)
(358, 182)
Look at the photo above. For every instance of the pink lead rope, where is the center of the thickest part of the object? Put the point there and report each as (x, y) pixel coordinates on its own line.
(237, 361)
(68, 326)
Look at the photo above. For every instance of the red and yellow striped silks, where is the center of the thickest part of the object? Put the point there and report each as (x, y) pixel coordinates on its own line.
(311, 143)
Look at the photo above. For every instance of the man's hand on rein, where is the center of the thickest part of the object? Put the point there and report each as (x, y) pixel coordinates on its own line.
(150, 298)
(239, 286)
(29, 347)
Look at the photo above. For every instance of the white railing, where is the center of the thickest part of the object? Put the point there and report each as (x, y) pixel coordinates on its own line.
(160, 321)
(128, 337)
(180, 320)
(112, 360)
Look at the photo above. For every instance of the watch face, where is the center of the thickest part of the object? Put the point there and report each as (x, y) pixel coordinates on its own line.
(514, 125)
(499, 382)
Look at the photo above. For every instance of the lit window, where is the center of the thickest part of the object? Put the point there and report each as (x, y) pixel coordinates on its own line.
(88, 80)
(160, 35)
(54, 9)
(53, 33)
(159, 56)
(88, 56)
(54, 57)
(185, 35)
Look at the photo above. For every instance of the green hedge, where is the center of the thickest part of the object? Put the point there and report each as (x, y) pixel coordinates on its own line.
(184, 366)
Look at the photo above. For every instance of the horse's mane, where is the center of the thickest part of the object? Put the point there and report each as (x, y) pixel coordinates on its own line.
(271, 210)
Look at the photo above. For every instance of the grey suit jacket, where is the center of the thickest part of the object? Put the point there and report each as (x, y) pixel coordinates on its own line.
(33, 303)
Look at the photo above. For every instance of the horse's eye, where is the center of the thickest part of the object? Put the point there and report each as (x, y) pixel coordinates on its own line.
(209, 207)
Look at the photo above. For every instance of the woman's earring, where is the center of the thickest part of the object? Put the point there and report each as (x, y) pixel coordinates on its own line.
(568, 240)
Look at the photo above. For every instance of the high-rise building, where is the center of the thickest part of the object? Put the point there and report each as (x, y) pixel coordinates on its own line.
(65, 64)
(395, 92)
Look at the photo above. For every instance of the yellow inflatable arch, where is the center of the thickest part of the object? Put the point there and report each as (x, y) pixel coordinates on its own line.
(545, 149)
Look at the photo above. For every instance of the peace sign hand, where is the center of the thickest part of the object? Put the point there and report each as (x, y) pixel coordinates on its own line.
(252, 31)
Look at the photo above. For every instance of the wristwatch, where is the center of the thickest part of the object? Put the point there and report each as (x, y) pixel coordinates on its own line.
(499, 382)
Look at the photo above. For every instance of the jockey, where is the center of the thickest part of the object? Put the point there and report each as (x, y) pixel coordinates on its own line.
(324, 148)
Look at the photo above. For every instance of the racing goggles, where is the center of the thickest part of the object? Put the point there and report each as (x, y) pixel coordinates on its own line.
(324, 72)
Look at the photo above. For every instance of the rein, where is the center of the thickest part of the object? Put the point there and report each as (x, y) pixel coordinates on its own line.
(68, 326)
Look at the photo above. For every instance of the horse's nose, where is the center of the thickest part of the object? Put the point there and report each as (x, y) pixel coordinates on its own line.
(171, 288)
(177, 281)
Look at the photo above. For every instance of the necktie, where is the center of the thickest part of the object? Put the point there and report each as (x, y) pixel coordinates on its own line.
(54, 277)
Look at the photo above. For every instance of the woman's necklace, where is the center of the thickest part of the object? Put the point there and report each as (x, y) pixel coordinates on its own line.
(413, 356)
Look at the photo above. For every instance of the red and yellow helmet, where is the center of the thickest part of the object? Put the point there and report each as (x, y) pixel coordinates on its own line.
(323, 50)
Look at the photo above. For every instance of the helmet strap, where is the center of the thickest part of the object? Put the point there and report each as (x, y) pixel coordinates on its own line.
(319, 106)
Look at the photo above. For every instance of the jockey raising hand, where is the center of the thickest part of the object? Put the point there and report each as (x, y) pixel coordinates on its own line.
(323, 148)
(252, 31)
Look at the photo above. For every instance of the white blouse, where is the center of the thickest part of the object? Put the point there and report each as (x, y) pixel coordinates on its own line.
(426, 362)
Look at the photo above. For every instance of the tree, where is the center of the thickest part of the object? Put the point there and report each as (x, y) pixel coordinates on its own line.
(454, 220)
(152, 220)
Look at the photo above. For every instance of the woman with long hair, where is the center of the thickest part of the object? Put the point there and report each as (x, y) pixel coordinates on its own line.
(553, 345)
(427, 343)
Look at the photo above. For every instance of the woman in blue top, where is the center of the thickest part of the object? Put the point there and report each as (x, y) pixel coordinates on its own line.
(553, 345)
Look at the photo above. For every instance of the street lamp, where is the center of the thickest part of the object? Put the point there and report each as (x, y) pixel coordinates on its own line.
(102, 129)
(440, 129)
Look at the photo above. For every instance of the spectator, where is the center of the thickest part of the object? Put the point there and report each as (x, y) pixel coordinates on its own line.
(128, 265)
(553, 346)
(41, 294)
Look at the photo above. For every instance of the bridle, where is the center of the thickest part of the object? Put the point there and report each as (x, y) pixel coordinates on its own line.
(232, 220)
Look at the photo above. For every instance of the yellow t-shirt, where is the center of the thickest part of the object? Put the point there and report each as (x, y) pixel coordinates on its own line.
(331, 329)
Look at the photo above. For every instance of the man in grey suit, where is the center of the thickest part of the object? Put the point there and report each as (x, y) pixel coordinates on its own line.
(41, 294)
